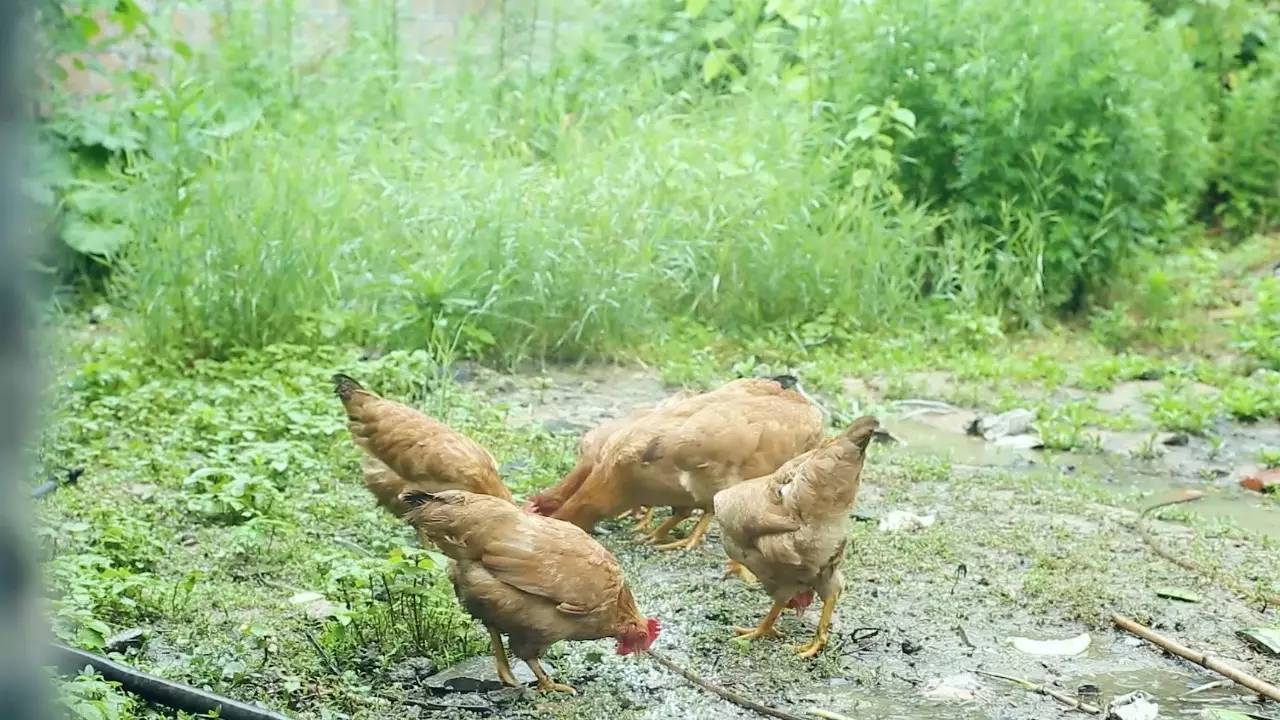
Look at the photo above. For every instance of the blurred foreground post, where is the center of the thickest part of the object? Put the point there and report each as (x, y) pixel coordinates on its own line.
(22, 685)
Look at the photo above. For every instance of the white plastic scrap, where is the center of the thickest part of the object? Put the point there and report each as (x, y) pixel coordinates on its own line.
(1070, 646)
(963, 687)
(1134, 706)
(899, 520)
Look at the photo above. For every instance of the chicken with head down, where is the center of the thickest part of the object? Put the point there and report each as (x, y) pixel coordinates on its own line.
(534, 578)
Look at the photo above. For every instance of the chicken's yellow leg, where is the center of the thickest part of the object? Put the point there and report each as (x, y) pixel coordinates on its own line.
(698, 532)
(743, 573)
(544, 682)
(824, 628)
(663, 531)
(645, 520)
(500, 659)
(765, 628)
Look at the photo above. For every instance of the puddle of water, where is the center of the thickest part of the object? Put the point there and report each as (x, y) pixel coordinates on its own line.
(1247, 510)
(1168, 687)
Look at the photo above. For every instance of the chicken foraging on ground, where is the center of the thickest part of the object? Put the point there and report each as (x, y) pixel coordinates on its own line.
(635, 469)
(536, 579)
(407, 450)
(742, 437)
(590, 449)
(790, 527)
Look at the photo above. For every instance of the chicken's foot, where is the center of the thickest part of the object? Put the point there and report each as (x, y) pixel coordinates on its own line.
(500, 659)
(545, 684)
(645, 521)
(696, 535)
(663, 531)
(766, 628)
(742, 572)
(824, 628)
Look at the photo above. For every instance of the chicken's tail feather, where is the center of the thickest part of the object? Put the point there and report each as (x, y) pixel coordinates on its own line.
(344, 386)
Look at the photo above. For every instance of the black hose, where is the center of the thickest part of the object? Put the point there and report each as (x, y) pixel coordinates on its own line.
(157, 690)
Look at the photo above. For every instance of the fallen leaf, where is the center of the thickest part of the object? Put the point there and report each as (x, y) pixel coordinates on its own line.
(1174, 593)
(1070, 646)
(1266, 639)
(1263, 481)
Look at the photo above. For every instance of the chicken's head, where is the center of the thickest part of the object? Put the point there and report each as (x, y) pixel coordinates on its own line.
(637, 637)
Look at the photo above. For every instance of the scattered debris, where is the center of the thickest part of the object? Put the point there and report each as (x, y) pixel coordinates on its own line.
(474, 675)
(900, 520)
(1265, 639)
(828, 715)
(1263, 481)
(71, 478)
(1020, 442)
(1218, 714)
(1235, 675)
(1012, 422)
(1136, 705)
(1175, 439)
(1070, 646)
(962, 687)
(1067, 700)
(1089, 693)
(1173, 593)
(314, 605)
(127, 639)
(1214, 685)
(722, 692)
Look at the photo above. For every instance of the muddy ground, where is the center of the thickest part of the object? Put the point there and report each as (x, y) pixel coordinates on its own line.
(1026, 543)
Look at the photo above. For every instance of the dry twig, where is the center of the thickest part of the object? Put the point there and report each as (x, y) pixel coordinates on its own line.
(1235, 675)
(723, 692)
(1067, 700)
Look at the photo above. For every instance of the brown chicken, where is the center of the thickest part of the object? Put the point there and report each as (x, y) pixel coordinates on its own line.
(537, 579)
(590, 448)
(748, 425)
(790, 527)
(406, 450)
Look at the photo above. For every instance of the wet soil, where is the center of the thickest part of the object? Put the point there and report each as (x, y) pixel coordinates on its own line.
(1027, 543)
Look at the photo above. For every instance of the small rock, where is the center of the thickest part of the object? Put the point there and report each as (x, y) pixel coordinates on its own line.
(900, 520)
(1175, 439)
(142, 491)
(413, 671)
(126, 639)
(1020, 442)
(475, 675)
(911, 648)
(994, 427)
(188, 539)
(1134, 706)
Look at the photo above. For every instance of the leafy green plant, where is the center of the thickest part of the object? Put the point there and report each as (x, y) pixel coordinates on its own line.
(88, 697)
(1259, 335)
(1256, 397)
(1097, 138)
(1183, 409)
(1065, 426)
(92, 592)
(228, 496)
(1247, 155)
(403, 603)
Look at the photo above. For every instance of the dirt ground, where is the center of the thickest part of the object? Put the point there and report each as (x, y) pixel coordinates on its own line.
(1026, 543)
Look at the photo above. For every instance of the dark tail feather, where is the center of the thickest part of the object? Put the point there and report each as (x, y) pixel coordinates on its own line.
(860, 431)
(416, 498)
(344, 386)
